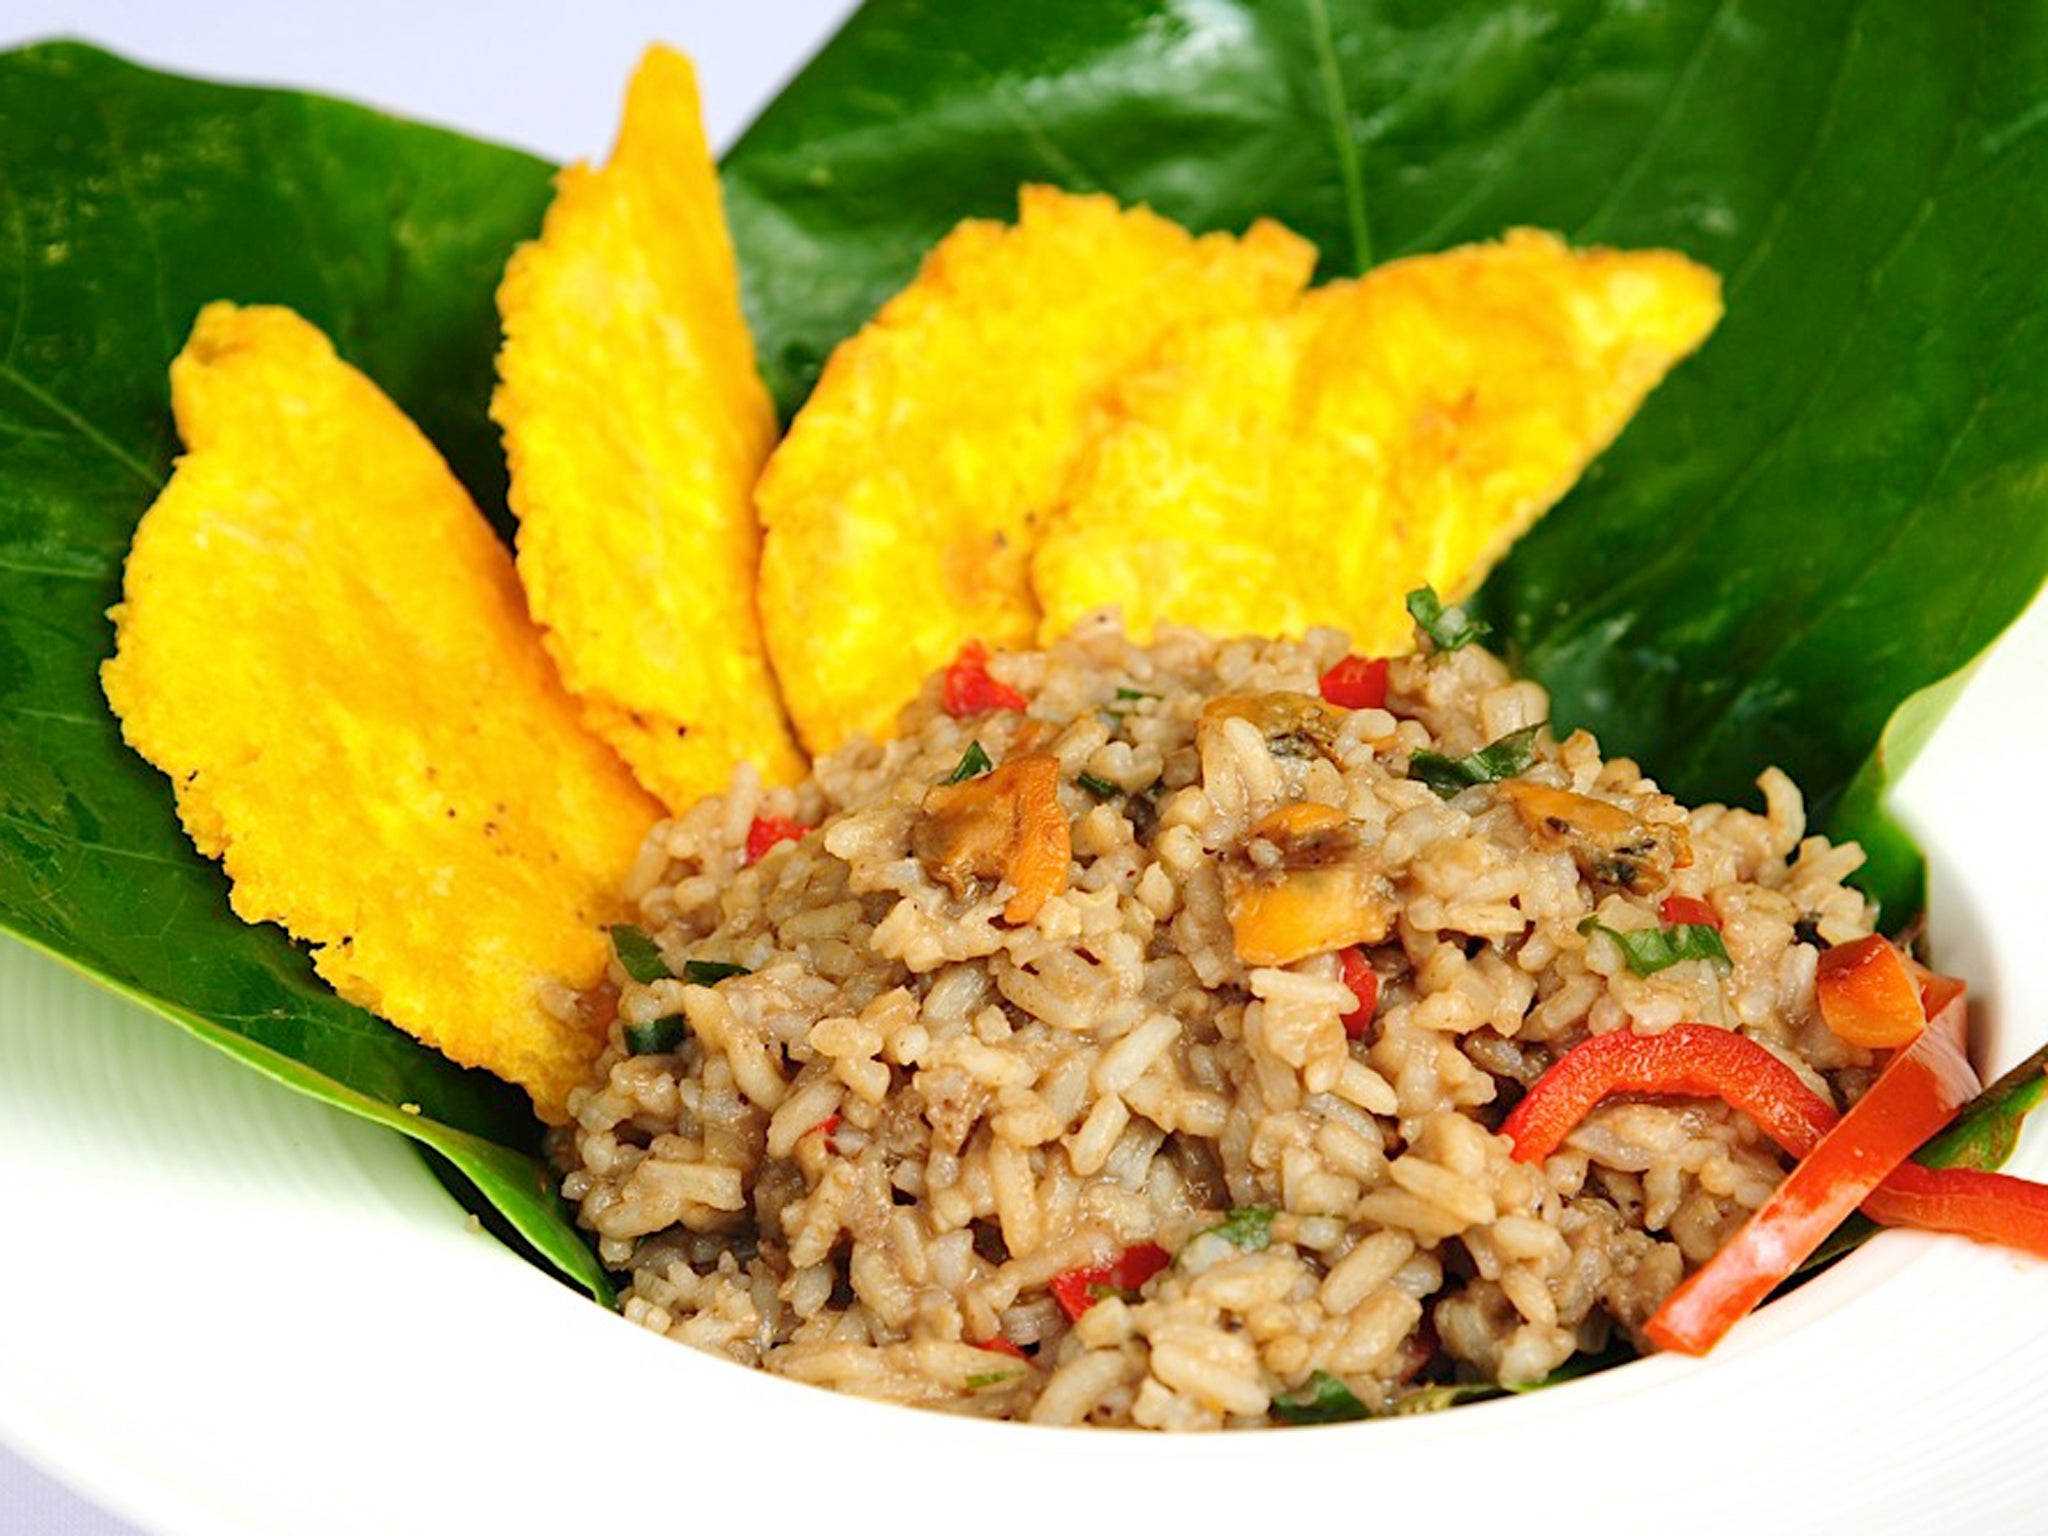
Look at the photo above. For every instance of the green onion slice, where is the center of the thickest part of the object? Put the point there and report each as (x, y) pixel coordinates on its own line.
(973, 763)
(709, 973)
(637, 953)
(1497, 760)
(657, 1038)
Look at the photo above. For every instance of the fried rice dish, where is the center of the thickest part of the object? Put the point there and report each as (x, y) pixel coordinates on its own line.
(1127, 1041)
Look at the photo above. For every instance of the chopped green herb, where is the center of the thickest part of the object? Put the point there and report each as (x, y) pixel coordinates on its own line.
(1250, 1227)
(709, 973)
(1101, 789)
(1650, 950)
(1497, 760)
(657, 1038)
(990, 1378)
(973, 763)
(637, 953)
(1112, 714)
(1447, 628)
(1323, 1399)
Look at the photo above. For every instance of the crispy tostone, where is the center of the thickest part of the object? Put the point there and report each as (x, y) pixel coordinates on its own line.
(1270, 474)
(325, 647)
(901, 510)
(635, 424)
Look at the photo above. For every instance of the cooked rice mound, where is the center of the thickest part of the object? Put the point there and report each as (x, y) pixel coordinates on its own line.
(878, 1153)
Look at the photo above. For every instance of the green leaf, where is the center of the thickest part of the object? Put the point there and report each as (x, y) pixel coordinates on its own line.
(1323, 1399)
(1101, 789)
(1835, 505)
(1497, 760)
(638, 954)
(1449, 629)
(130, 199)
(1650, 950)
(1893, 867)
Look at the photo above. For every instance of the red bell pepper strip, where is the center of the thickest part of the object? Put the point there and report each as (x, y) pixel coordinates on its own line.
(1867, 996)
(1696, 1060)
(1364, 983)
(1002, 1346)
(1079, 1289)
(1990, 1207)
(969, 690)
(767, 831)
(1915, 1096)
(1689, 911)
(1356, 683)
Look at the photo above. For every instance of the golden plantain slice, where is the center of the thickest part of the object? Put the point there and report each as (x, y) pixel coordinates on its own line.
(325, 647)
(1269, 474)
(901, 510)
(635, 424)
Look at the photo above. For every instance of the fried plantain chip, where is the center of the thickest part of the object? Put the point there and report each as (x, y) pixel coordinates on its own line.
(635, 424)
(901, 510)
(1269, 474)
(325, 647)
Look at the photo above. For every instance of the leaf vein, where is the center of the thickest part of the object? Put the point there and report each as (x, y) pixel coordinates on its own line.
(1651, 142)
(81, 426)
(1349, 169)
(1824, 127)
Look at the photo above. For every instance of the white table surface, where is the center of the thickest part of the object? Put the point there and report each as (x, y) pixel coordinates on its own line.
(544, 76)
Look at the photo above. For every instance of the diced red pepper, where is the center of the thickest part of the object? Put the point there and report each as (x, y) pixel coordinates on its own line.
(969, 690)
(1867, 996)
(1079, 1289)
(1689, 911)
(767, 831)
(1364, 983)
(825, 1128)
(1696, 1060)
(1002, 1346)
(1357, 683)
(1918, 1092)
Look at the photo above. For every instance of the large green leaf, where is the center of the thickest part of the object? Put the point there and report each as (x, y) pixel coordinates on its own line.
(1828, 510)
(1837, 504)
(130, 199)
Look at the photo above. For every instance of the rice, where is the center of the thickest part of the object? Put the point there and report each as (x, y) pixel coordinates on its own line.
(915, 1151)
